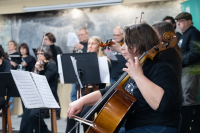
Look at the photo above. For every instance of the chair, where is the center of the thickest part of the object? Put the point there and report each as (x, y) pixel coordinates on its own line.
(190, 119)
(8, 118)
(53, 121)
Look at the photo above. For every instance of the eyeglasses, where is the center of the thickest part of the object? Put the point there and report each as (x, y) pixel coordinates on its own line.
(40, 54)
(117, 35)
(181, 20)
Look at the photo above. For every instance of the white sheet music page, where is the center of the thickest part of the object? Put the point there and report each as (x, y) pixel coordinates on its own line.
(27, 89)
(45, 91)
(75, 69)
(72, 39)
(104, 70)
(110, 54)
(60, 70)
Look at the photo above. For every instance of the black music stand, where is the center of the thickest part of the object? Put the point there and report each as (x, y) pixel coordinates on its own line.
(8, 89)
(87, 65)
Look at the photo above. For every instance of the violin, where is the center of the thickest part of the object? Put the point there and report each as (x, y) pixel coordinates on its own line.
(42, 63)
(109, 43)
(118, 100)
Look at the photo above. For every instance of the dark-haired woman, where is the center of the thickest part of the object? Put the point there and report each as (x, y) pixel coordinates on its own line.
(27, 61)
(173, 56)
(5, 66)
(154, 84)
(30, 117)
(49, 40)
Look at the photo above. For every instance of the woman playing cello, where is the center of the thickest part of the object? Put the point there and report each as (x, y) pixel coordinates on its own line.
(154, 83)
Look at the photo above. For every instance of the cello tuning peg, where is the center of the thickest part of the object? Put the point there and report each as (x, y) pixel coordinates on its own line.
(107, 41)
(110, 40)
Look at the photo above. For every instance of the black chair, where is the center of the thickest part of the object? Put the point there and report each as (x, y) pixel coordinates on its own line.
(190, 119)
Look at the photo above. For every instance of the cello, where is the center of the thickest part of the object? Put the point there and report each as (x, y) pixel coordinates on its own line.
(119, 100)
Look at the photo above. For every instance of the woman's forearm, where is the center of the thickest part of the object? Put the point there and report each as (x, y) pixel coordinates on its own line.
(91, 99)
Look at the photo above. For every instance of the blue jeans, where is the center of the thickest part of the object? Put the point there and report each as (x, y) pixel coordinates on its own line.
(11, 106)
(153, 129)
(73, 93)
(112, 80)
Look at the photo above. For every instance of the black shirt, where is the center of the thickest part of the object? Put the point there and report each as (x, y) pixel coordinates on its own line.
(51, 73)
(30, 61)
(117, 66)
(5, 66)
(186, 43)
(85, 44)
(168, 112)
(55, 51)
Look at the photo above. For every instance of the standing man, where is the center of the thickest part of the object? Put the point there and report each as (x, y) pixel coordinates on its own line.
(117, 66)
(83, 37)
(82, 48)
(190, 56)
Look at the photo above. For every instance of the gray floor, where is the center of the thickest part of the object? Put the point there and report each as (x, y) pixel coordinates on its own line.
(61, 124)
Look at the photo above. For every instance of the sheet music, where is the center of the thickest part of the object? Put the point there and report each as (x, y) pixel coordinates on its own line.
(27, 89)
(60, 70)
(104, 70)
(72, 39)
(110, 55)
(76, 70)
(45, 91)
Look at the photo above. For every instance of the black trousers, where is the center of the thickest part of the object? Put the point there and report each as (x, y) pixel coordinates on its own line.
(30, 121)
(72, 122)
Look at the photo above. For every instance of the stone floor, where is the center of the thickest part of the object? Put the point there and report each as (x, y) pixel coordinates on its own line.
(61, 124)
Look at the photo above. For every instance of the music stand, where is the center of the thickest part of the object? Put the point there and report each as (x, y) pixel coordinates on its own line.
(87, 65)
(8, 89)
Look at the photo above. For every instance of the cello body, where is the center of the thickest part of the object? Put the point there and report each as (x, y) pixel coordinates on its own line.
(113, 111)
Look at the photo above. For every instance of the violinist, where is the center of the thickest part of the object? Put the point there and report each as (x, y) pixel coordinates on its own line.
(93, 46)
(30, 117)
(5, 66)
(50, 40)
(116, 69)
(154, 84)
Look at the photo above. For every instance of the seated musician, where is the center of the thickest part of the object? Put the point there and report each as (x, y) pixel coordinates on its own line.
(154, 83)
(93, 46)
(5, 66)
(30, 117)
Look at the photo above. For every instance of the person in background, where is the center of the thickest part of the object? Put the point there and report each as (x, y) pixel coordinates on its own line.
(5, 66)
(173, 55)
(93, 46)
(116, 69)
(27, 62)
(83, 37)
(12, 50)
(81, 47)
(49, 40)
(190, 56)
(173, 22)
(30, 117)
